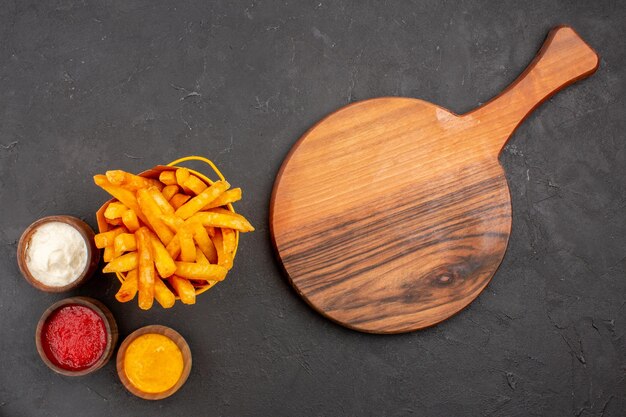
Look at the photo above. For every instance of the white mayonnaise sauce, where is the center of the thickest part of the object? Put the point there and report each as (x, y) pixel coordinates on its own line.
(56, 254)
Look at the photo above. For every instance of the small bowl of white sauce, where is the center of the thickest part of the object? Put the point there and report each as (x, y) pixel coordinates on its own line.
(57, 253)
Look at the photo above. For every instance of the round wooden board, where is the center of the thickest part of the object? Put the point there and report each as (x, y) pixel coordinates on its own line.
(393, 214)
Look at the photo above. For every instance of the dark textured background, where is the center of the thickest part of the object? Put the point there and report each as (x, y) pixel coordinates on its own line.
(89, 86)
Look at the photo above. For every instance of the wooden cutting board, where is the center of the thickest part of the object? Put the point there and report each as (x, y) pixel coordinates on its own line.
(392, 214)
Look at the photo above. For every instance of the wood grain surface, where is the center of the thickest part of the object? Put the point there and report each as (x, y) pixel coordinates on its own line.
(393, 214)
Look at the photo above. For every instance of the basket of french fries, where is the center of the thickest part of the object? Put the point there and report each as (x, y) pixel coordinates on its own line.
(168, 233)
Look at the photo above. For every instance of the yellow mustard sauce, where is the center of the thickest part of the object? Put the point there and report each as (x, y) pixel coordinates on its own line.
(153, 363)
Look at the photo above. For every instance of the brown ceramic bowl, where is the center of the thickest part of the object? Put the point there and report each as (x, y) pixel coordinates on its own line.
(93, 253)
(109, 324)
(176, 338)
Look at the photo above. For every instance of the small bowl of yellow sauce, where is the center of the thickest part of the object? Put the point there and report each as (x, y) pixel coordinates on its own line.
(153, 362)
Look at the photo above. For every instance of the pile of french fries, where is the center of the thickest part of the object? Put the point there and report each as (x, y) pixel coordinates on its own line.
(169, 235)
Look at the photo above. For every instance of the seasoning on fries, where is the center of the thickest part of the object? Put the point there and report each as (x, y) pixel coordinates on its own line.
(168, 236)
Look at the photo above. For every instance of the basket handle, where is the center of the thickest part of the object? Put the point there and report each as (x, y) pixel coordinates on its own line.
(201, 159)
(219, 174)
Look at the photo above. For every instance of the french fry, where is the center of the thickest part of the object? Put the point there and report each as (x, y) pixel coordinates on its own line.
(205, 197)
(178, 200)
(130, 181)
(218, 242)
(122, 263)
(177, 227)
(117, 205)
(116, 253)
(163, 295)
(161, 201)
(123, 195)
(128, 290)
(169, 191)
(115, 222)
(115, 177)
(162, 260)
(182, 175)
(147, 275)
(195, 271)
(125, 242)
(168, 177)
(172, 221)
(229, 196)
(204, 242)
(187, 247)
(152, 212)
(109, 253)
(222, 210)
(173, 248)
(200, 258)
(230, 220)
(229, 241)
(185, 290)
(114, 210)
(105, 239)
(130, 220)
(195, 184)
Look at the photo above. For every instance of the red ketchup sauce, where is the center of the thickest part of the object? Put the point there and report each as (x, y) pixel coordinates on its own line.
(74, 337)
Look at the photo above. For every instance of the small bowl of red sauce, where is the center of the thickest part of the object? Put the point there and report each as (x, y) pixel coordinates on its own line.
(76, 336)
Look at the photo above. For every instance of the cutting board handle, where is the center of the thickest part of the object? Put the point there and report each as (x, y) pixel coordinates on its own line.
(563, 59)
